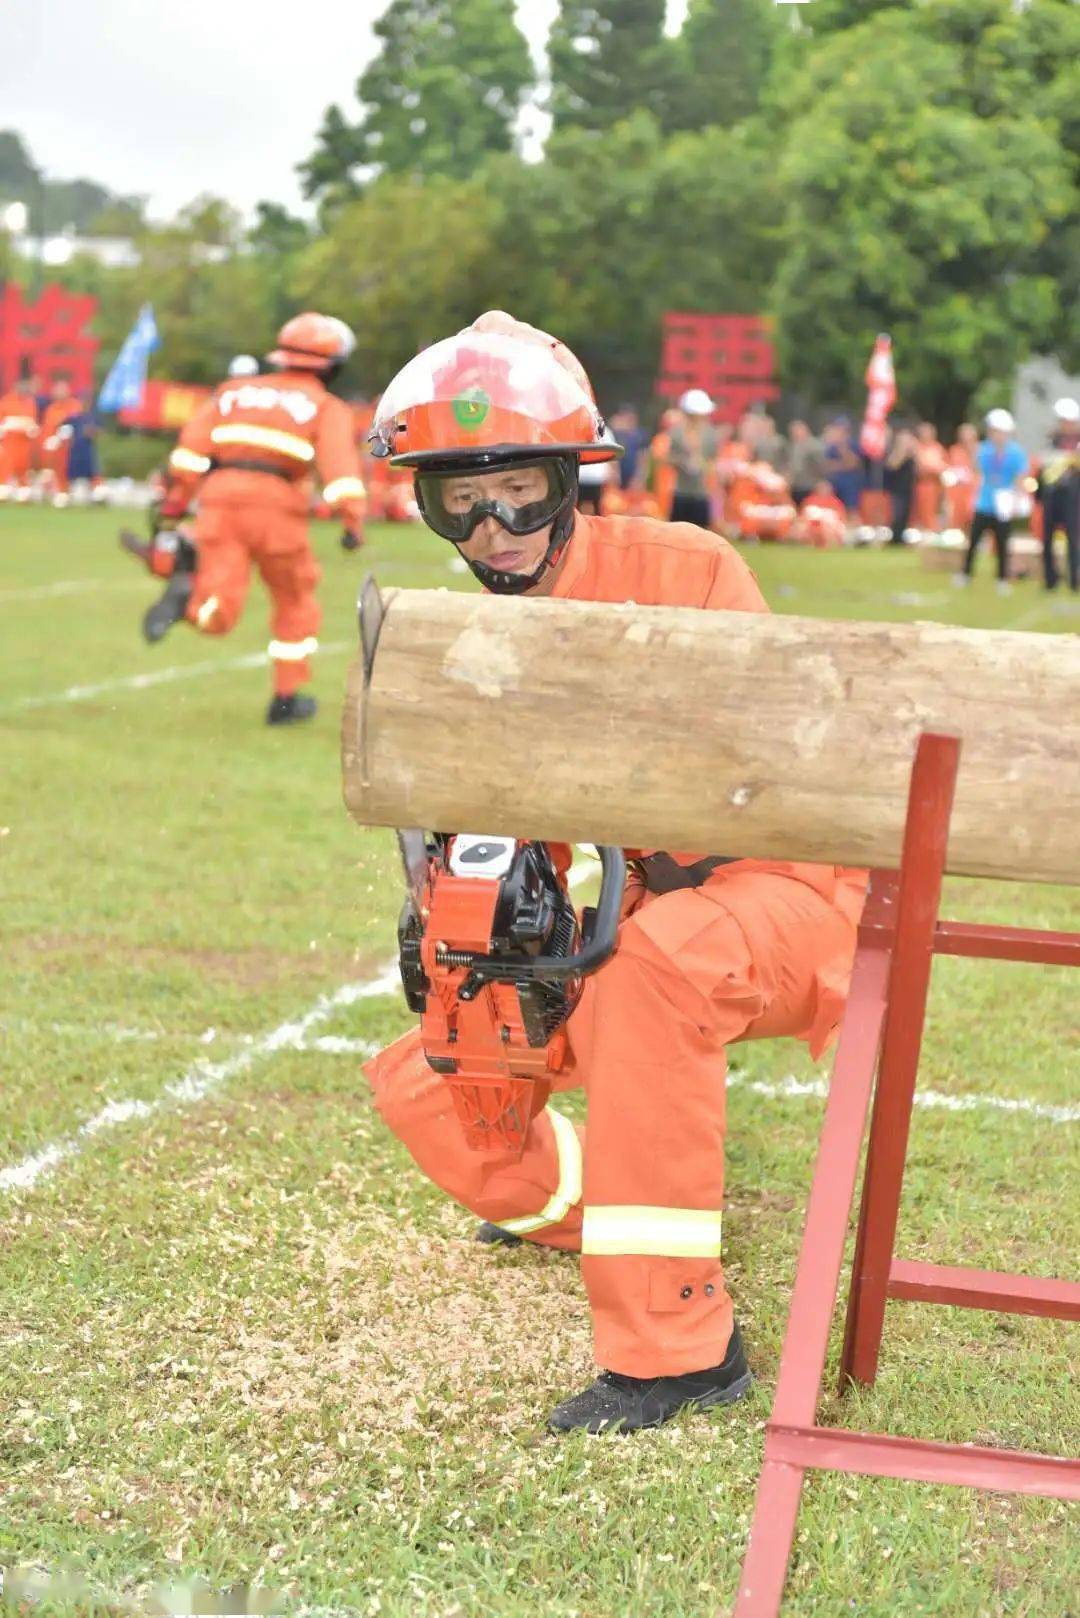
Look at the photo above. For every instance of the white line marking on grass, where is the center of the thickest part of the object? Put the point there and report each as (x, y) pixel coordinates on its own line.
(141, 682)
(69, 587)
(201, 1079)
(792, 1088)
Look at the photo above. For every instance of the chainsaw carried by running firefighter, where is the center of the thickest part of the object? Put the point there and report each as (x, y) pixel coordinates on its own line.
(493, 960)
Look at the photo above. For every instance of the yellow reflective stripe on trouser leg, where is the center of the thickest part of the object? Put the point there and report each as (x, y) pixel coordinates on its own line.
(651, 1232)
(292, 651)
(568, 1191)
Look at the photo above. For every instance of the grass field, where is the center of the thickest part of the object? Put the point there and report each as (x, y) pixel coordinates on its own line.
(243, 1342)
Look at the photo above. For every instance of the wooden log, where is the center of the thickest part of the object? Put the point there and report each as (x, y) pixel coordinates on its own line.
(719, 732)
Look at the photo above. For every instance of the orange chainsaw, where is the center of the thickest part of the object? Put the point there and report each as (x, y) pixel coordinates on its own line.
(493, 959)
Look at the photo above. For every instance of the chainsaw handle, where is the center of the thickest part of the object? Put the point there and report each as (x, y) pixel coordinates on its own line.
(592, 954)
(601, 944)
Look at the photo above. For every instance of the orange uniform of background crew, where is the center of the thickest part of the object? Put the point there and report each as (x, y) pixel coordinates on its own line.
(762, 948)
(19, 431)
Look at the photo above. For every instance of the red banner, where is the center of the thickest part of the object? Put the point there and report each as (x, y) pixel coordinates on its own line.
(730, 356)
(47, 339)
(166, 406)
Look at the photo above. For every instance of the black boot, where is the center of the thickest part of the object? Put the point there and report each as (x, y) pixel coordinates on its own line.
(290, 710)
(617, 1403)
(168, 609)
(489, 1235)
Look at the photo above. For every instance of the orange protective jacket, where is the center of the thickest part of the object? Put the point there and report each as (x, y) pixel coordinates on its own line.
(18, 416)
(258, 439)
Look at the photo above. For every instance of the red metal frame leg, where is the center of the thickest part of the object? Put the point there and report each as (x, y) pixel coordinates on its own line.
(817, 1277)
(926, 835)
(764, 1571)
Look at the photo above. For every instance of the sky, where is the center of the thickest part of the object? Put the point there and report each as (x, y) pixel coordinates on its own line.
(168, 101)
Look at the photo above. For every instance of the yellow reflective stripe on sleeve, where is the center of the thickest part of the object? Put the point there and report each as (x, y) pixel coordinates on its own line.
(292, 651)
(19, 424)
(264, 438)
(344, 489)
(186, 460)
(656, 1232)
(568, 1191)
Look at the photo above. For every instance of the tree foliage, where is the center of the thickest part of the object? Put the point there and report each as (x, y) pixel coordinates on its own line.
(55, 205)
(725, 52)
(911, 206)
(608, 57)
(442, 93)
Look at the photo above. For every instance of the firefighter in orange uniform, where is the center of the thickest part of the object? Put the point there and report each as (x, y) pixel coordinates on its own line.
(712, 948)
(56, 437)
(959, 478)
(19, 430)
(931, 462)
(250, 452)
(662, 474)
(822, 520)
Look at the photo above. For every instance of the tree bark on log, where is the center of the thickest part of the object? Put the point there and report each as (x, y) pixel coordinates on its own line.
(713, 732)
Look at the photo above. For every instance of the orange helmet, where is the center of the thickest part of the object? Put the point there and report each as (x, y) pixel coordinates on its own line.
(499, 391)
(312, 342)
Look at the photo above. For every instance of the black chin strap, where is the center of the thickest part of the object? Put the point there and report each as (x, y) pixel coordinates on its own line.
(501, 583)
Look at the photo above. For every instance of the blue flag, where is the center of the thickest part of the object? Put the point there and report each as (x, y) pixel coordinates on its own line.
(124, 385)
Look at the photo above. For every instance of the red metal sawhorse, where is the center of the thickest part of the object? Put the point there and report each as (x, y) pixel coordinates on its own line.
(882, 1032)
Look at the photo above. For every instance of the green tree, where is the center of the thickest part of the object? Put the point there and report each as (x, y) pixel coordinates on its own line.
(276, 241)
(910, 213)
(725, 52)
(210, 302)
(414, 260)
(442, 93)
(607, 57)
(19, 174)
(405, 264)
(833, 16)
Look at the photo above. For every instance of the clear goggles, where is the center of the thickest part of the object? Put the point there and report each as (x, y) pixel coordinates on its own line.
(522, 497)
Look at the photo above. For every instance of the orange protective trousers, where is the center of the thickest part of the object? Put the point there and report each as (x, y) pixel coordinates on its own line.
(755, 953)
(230, 535)
(16, 458)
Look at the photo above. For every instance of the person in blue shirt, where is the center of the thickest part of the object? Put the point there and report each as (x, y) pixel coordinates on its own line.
(1000, 464)
(82, 450)
(843, 463)
(628, 431)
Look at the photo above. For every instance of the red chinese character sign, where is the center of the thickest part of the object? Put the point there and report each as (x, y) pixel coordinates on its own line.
(730, 356)
(47, 339)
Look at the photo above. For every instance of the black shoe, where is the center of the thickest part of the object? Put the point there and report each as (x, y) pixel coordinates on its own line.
(168, 609)
(489, 1235)
(290, 710)
(617, 1403)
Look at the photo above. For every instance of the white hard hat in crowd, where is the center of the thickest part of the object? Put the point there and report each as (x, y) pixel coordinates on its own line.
(1001, 421)
(696, 402)
(1067, 410)
(244, 365)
